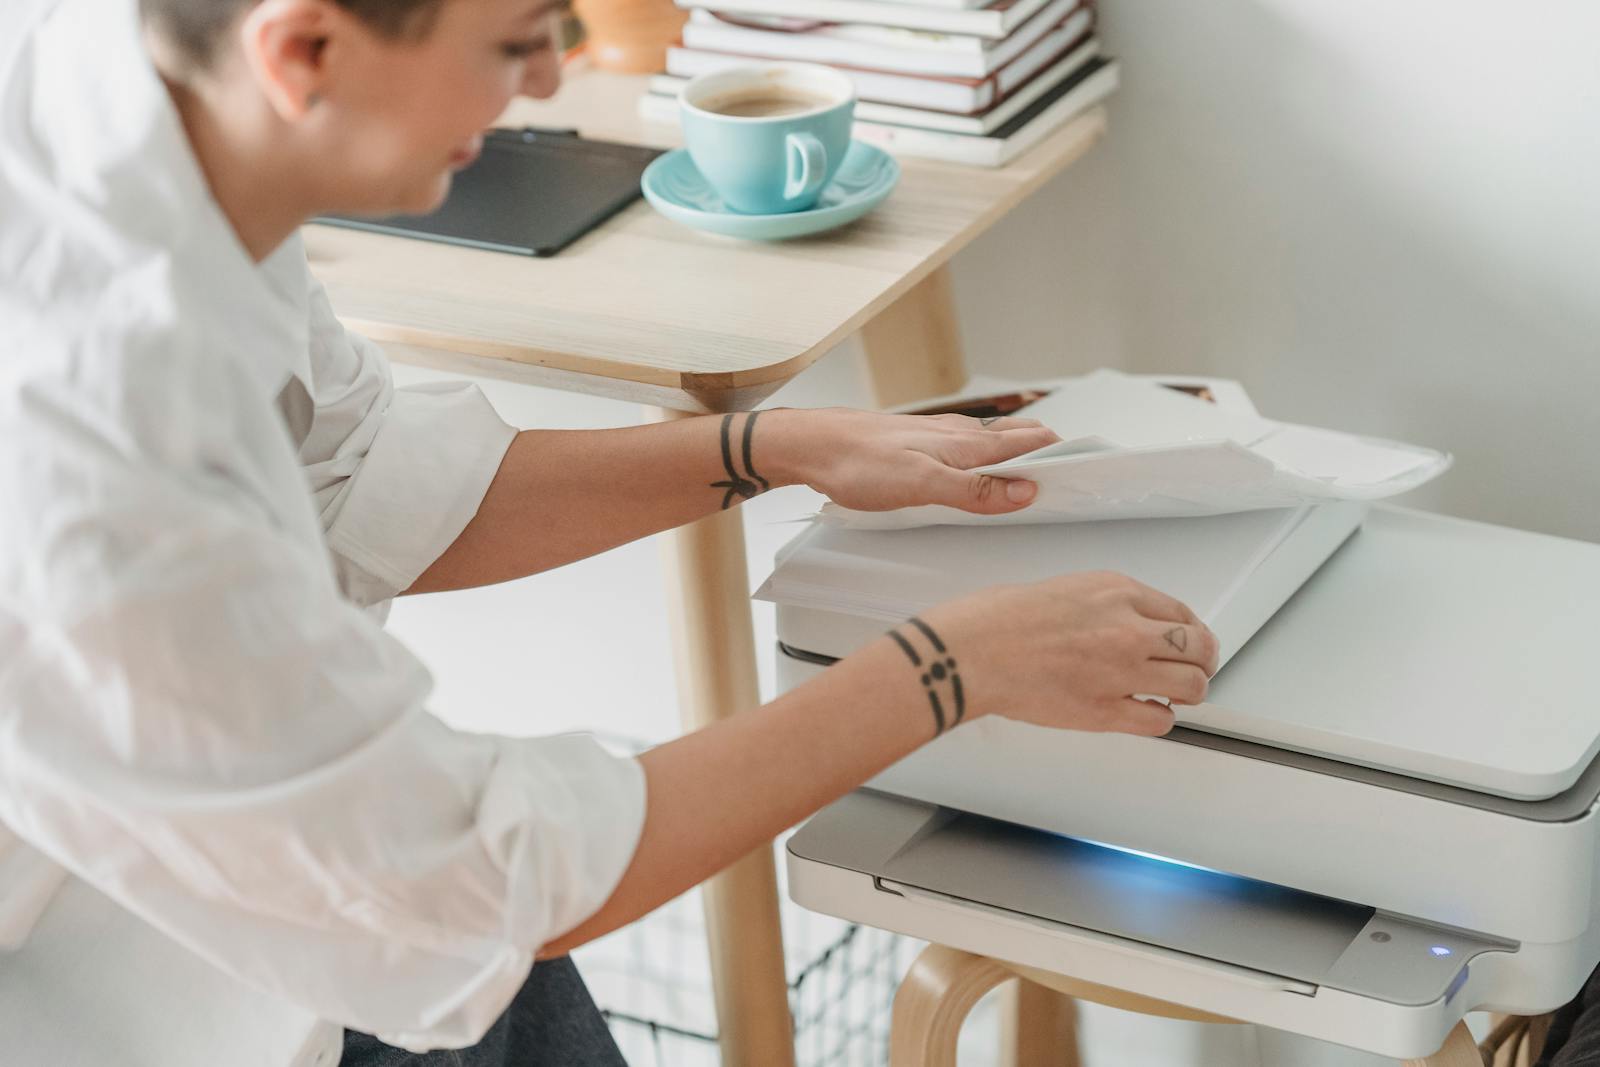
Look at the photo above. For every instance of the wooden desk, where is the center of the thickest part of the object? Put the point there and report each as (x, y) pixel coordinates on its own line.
(645, 310)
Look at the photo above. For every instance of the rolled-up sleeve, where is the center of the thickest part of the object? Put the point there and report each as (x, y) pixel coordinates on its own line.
(396, 473)
(197, 723)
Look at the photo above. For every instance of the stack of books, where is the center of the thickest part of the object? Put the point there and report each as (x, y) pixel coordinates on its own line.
(970, 81)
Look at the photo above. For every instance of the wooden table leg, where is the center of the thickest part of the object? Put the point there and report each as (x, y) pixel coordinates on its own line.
(914, 345)
(1459, 1050)
(714, 640)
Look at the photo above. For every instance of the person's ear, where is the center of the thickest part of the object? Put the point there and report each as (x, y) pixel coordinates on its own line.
(286, 46)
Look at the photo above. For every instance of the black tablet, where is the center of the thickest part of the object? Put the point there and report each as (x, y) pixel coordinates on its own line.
(531, 192)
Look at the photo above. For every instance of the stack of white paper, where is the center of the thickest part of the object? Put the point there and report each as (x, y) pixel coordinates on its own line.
(1133, 449)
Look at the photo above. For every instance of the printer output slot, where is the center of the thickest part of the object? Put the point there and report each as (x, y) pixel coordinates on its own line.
(1187, 961)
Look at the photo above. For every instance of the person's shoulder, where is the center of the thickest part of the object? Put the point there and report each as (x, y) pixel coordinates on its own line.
(114, 347)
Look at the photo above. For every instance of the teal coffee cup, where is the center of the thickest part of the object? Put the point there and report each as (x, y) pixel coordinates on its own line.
(768, 138)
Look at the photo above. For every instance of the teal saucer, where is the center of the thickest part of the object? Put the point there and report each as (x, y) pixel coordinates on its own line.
(675, 188)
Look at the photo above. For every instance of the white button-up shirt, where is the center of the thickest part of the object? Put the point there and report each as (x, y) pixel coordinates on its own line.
(208, 491)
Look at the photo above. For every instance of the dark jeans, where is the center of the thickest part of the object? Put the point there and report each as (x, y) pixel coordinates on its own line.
(552, 1022)
(1574, 1039)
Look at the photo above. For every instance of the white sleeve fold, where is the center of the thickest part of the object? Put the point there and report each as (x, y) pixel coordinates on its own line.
(418, 486)
(203, 728)
(397, 473)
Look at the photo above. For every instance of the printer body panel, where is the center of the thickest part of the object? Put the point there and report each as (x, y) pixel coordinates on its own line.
(1437, 648)
(1407, 853)
(1392, 985)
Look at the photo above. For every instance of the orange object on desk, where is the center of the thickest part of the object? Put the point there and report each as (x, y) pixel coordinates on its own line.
(630, 36)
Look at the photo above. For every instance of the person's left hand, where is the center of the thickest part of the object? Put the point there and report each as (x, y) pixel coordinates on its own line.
(876, 462)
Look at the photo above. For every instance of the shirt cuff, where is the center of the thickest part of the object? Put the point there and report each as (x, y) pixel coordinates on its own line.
(566, 856)
(422, 481)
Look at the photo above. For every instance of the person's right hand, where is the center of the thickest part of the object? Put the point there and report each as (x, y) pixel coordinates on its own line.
(1073, 651)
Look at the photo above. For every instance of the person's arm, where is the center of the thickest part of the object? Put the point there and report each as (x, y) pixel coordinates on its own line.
(425, 489)
(563, 495)
(1066, 653)
(216, 739)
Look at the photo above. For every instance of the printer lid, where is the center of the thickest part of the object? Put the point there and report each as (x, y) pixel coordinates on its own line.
(1432, 647)
(1443, 649)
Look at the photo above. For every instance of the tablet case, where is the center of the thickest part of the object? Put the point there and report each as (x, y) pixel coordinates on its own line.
(531, 192)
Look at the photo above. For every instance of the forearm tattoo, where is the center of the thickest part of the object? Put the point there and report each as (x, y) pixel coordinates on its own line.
(940, 678)
(739, 486)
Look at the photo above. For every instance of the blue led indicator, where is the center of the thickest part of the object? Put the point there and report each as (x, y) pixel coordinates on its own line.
(1439, 950)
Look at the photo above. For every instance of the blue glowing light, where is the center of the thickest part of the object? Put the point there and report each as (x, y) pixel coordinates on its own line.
(1151, 856)
(1439, 950)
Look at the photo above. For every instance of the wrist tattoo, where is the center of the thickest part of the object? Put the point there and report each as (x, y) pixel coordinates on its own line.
(938, 673)
(748, 484)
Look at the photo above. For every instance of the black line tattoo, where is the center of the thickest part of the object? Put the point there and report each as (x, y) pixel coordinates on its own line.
(1178, 638)
(739, 486)
(941, 673)
(988, 419)
(749, 433)
(927, 631)
(905, 646)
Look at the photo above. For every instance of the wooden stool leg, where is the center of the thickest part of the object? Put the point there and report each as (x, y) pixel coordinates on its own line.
(714, 639)
(1459, 1050)
(914, 345)
(934, 1000)
(1038, 1028)
(1538, 1033)
(1515, 1040)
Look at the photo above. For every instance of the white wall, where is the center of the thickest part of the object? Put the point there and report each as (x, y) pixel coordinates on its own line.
(1380, 216)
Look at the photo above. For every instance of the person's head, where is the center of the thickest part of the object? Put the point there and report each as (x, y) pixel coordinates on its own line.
(384, 97)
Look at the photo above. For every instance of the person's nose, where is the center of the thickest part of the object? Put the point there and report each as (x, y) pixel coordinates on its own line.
(541, 77)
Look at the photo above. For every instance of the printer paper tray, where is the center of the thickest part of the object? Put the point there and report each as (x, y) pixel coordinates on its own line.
(1248, 925)
(1261, 933)
(1199, 964)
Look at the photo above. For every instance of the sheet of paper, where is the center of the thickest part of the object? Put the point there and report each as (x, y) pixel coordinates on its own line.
(1339, 457)
(1136, 450)
(1136, 412)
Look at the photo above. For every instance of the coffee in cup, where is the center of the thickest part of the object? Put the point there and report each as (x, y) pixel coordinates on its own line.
(768, 138)
(762, 105)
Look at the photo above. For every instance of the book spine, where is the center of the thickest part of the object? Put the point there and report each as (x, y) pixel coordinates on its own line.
(805, 48)
(960, 96)
(992, 24)
(932, 144)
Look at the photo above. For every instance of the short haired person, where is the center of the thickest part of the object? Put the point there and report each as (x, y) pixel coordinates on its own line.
(209, 491)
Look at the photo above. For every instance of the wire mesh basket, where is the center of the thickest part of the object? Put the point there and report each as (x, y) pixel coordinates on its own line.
(652, 981)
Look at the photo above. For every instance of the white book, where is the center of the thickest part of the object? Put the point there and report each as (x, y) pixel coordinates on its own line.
(877, 47)
(878, 111)
(994, 20)
(839, 587)
(1082, 89)
(958, 96)
(956, 4)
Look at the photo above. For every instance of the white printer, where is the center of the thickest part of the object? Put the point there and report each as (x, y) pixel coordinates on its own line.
(1383, 818)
